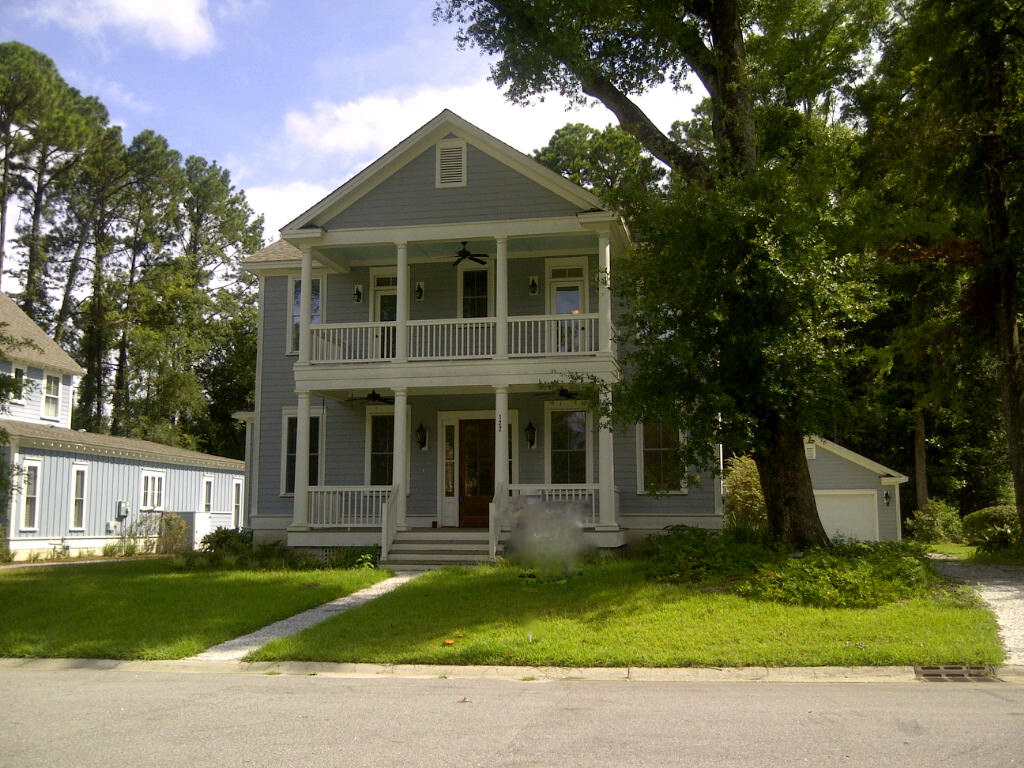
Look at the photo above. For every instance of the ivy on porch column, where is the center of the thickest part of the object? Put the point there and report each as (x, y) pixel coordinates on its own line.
(501, 478)
(402, 308)
(300, 508)
(501, 299)
(606, 477)
(305, 304)
(400, 455)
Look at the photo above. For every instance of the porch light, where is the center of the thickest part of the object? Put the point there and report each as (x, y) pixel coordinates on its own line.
(886, 497)
(534, 286)
(421, 437)
(357, 294)
(418, 293)
(531, 435)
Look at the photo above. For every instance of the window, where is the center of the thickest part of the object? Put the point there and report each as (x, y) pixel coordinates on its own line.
(474, 293)
(382, 448)
(30, 471)
(291, 444)
(19, 385)
(658, 468)
(207, 494)
(451, 163)
(152, 491)
(236, 502)
(51, 397)
(449, 460)
(316, 309)
(78, 498)
(568, 445)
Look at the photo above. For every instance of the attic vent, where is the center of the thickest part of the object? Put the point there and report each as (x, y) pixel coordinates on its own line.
(810, 451)
(451, 163)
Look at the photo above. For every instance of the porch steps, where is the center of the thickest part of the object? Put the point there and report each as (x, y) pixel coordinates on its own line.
(429, 549)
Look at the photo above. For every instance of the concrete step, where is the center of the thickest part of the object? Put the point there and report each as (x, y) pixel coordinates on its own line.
(430, 546)
(438, 554)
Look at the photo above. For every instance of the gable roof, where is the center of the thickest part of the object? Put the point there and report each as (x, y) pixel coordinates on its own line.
(42, 351)
(62, 439)
(445, 124)
(862, 461)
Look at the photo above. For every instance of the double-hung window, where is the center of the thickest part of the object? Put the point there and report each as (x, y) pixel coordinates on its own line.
(568, 452)
(658, 468)
(291, 444)
(207, 494)
(51, 397)
(30, 472)
(295, 302)
(152, 491)
(78, 475)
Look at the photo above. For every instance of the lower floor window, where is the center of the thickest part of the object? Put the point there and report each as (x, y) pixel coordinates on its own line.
(568, 447)
(152, 491)
(78, 498)
(30, 493)
(382, 449)
(291, 447)
(659, 467)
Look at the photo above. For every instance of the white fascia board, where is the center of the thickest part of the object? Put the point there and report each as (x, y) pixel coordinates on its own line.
(853, 457)
(561, 225)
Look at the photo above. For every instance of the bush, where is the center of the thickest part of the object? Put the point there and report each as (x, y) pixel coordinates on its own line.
(744, 501)
(228, 541)
(936, 522)
(172, 535)
(851, 575)
(993, 527)
(683, 554)
(6, 555)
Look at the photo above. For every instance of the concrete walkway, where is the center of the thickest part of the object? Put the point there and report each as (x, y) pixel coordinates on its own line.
(235, 650)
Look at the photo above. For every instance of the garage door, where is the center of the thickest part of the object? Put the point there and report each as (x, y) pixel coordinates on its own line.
(850, 514)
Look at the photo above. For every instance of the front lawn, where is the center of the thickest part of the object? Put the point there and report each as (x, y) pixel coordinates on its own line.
(609, 615)
(147, 609)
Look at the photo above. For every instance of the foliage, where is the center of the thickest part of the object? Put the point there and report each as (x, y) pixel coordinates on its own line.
(173, 534)
(851, 575)
(936, 522)
(228, 541)
(744, 502)
(682, 554)
(231, 549)
(353, 557)
(992, 524)
(6, 555)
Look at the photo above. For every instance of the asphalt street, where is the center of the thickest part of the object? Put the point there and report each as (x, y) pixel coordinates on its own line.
(176, 715)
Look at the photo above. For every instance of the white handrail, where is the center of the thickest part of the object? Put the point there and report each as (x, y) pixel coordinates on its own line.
(451, 339)
(353, 342)
(553, 335)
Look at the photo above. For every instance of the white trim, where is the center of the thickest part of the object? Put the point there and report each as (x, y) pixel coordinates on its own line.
(294, 280)
(470, 266)
(252, 462)
(147, 493)
(446, 147)
(567, 405)
(641, 476)
(383, 409)
(37, 465)
(77, 467)
(292, 412)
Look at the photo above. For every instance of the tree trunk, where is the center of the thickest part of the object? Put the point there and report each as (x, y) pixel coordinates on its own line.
(920, 464)
(788, 494)
(68, 299)
(33, 298)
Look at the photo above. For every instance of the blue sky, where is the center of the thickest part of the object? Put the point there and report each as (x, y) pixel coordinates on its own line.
(292, 97)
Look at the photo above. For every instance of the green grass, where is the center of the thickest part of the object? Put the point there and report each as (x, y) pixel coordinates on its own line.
(149, 610)
(611, 616)
(959, 551)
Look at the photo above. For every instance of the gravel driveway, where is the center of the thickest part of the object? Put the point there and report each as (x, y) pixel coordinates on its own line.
(1002, 589)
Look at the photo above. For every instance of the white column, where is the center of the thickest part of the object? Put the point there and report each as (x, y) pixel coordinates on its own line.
(604, 294)
(401, 456)
(501, 299)
(300, 509)
(402, 310)
(501, 477)
(305, 303)
(606, 477)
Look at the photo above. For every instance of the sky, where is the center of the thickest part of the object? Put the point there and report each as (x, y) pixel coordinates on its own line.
(293, 97)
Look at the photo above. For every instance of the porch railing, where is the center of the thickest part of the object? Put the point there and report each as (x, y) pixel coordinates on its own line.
(496, 514)
(353, 342)
(388, 522)
(355, 506)
(451, 339)
(546, 335)
(587, 494)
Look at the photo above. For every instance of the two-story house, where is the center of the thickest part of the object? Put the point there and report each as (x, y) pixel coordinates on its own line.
(73, 491)
(411, 325)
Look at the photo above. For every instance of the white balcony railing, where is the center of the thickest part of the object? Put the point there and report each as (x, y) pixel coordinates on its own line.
(356, 506)
(459, 339)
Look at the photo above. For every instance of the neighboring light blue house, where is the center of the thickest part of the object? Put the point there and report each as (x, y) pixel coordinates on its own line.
(415, 319)
(74, 491)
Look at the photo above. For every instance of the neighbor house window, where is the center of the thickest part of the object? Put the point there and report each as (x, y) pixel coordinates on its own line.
(568, 446)
(236, 502)
(30, 471)
(19, 385)
(152, 491)
(291, 444)
(295, 298)
(658, 468)
(78, 497)
(207, 494)
(51, 397)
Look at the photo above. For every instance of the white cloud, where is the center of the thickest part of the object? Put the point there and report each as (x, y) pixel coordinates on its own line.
(280, 203)
(181, 27)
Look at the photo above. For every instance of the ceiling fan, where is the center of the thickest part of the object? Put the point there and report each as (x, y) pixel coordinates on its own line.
(463, 254)
(373, 397)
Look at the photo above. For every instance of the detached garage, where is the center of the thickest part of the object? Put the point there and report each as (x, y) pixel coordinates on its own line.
(857, 498)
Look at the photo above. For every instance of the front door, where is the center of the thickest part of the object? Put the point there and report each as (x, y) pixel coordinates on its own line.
(566, 298)
(386, 311)
(476, 471)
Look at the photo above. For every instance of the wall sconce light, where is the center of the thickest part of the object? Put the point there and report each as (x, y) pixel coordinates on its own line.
(418, 293)
(421, 437)
(357, 294)
(534, 285)
(886, 497)
(531, 435)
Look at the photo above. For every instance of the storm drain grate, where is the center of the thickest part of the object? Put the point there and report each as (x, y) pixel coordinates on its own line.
(957, 673)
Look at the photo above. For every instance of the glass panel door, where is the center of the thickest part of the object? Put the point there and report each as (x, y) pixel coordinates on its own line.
(386, 311)
(566, 298)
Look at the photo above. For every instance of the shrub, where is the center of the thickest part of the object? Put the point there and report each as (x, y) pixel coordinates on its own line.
(989, 526)
(936, 522)
(172, 535)
(6, 555)
(684, 554)
(744, 501)
(112, 549)
(851, 575)
(228, 541)
(353, 557)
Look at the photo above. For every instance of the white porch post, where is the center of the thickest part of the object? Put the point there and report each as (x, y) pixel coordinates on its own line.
(501, 299)
(501, 477)
(300, 509)
(402, 308)
(305, 304)
(604, 300)
(400, 455)
(606, 478)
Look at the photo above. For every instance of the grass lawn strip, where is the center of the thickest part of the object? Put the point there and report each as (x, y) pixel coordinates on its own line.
(610, 616)
(149, 610)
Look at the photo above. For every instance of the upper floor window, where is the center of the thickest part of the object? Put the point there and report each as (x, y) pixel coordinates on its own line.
(152, 491)
(295, 302)
(51, 397)
(18, 395)
(451, 163)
